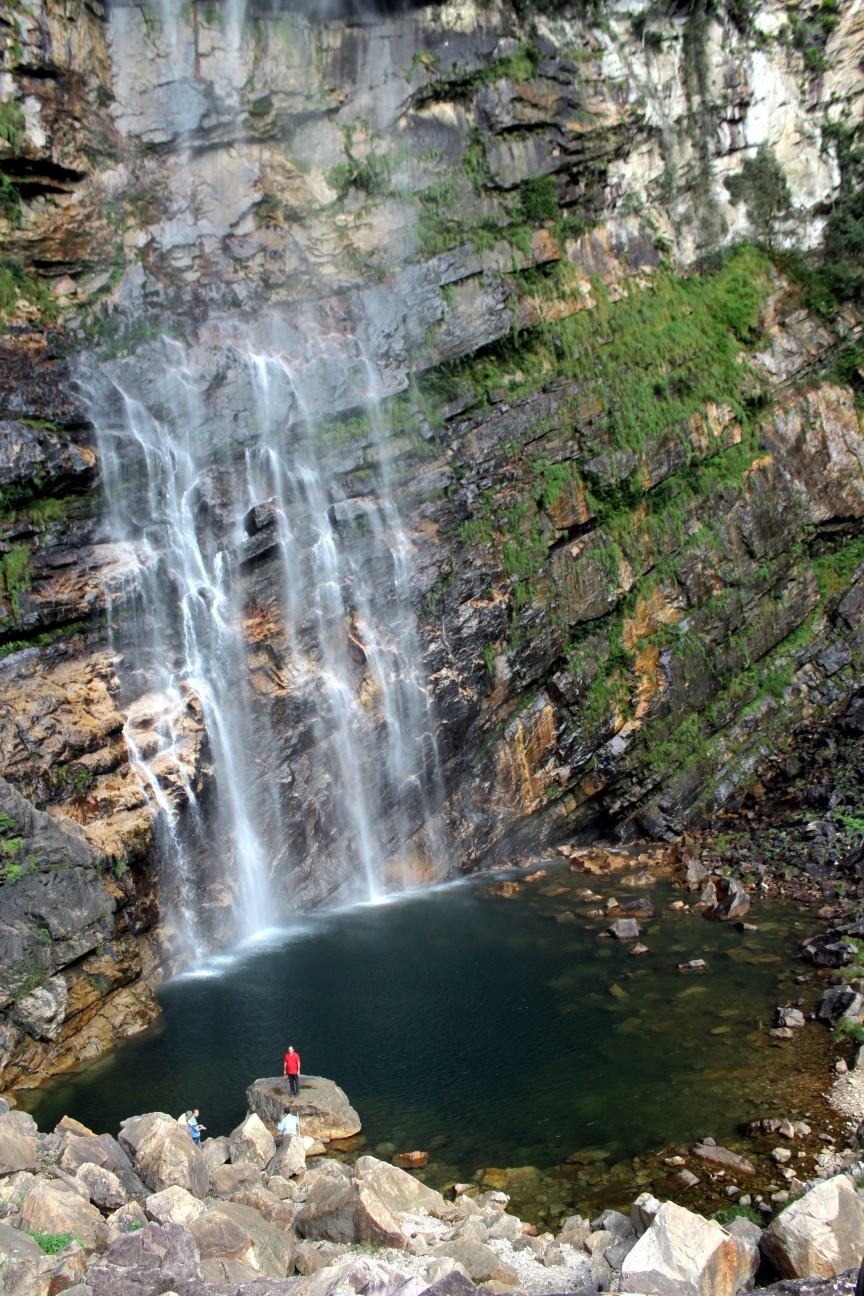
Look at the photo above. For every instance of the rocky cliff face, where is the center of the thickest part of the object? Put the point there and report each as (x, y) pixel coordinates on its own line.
(632, 494)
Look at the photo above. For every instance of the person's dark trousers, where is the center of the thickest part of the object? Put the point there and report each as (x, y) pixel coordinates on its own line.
(294, 1085)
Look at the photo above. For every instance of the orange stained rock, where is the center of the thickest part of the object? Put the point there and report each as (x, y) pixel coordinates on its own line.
(527, 756)
(648, 679)
(544, 246)
(649, 615)
(259, 624)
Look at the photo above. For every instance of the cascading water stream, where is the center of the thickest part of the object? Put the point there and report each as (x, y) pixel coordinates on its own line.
(202, 492)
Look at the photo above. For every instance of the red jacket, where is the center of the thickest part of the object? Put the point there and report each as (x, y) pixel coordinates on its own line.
(292, 1063)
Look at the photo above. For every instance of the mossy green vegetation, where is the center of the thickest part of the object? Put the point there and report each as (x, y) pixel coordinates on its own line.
(15, 575)
(17, 286)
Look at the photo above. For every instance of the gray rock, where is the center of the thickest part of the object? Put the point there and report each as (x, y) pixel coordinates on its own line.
(643, 1211)
(840, 1002)
(789, 1017)
(624, 929)
(42, 1012)
(731, 903)
(724, 1157)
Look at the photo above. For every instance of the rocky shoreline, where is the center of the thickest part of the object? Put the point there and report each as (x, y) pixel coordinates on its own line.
(149, 1212)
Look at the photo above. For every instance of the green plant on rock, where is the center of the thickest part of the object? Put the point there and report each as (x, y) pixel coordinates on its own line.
(51, 1243)
(15, 575)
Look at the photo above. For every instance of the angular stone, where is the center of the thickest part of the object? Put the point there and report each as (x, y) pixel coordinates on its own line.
(789, 1017)
(731, 903)
(643, 1211)
(101, 1185)
(226, 1180)
(167, 1156)
(252, 1143)
(820, 1235)
(682, 1254)
(215, 1152)
(374, 1222)
(624, 929)
(480, 1262)
(399, 1190)
(840, 1001)
(289, 1159)
(173, 1206)
(266, 1248)
(155, 1259)
(328, 1211)
(14, 1242)
(17, 1152)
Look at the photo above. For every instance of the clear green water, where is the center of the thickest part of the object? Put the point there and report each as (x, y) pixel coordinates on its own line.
(477, 1028)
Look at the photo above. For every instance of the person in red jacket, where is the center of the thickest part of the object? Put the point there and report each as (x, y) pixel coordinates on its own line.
(291, 1068)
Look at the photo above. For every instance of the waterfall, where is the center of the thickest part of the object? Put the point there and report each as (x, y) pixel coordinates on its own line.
(268, 579)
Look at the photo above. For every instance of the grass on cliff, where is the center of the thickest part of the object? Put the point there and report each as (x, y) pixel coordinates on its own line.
(664, 352)
(646, 365)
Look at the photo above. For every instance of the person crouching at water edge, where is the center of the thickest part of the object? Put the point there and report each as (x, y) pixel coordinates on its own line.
(291, 1068)
(289, 1125)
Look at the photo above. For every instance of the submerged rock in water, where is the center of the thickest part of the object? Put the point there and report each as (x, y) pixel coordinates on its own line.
(324, 1110)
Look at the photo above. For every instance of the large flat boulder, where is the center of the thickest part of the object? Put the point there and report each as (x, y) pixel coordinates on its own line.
(820, 1235)
(324, 1110)
(682, 1254)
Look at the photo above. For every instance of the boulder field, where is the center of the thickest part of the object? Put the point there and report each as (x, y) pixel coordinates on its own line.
(149, 1213)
